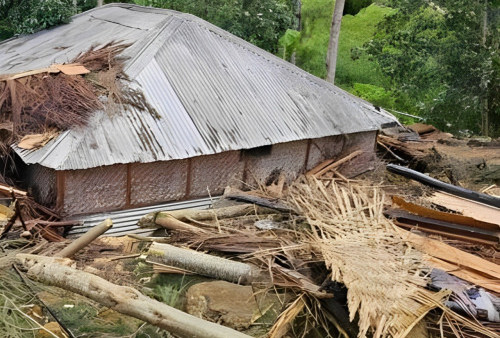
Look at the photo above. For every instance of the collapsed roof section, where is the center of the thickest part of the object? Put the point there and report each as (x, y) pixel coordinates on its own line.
(213, 92)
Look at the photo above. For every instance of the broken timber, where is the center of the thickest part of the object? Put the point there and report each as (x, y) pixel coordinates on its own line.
(122, 299)
(449, 188)
(84, 240)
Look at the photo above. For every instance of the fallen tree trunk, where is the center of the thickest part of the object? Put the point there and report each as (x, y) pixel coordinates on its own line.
(218, 213)
(176, 219)
(122, 299)
(203, 264)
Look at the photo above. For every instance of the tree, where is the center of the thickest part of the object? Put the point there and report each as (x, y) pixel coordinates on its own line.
(261, 22)
(331, 57)
(28, 16)
(441, 60)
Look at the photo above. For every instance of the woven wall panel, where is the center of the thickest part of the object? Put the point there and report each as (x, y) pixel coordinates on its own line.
(94, 190)
(324, 148)
(157, 182)
(42, 184)
(359, 141)
(215, 172)
(288, 158)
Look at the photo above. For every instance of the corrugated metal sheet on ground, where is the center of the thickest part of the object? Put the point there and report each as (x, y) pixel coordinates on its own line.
(125, 222)
(213, 91)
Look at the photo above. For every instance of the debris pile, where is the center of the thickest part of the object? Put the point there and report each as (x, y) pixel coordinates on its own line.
(36, 105)
(327, 255)
(21, 216)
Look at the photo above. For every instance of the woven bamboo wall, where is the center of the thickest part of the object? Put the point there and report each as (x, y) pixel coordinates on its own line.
(214, 172)
(157, 182)
(95, 190)
(139, 184)
(360, 141)
(288, 158)
(324, 148)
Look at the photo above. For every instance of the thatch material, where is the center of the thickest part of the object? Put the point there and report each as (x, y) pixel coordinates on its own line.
(35, 103)
(39, 101)
(384, 275)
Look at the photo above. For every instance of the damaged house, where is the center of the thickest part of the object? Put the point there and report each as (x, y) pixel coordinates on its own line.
(221, 111)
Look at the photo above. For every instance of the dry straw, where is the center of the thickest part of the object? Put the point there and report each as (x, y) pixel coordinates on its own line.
(385, 276)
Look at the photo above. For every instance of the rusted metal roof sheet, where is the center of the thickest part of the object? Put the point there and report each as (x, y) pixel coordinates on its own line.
(213, 91)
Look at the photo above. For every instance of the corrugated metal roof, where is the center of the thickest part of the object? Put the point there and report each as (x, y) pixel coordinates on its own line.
(213, 91)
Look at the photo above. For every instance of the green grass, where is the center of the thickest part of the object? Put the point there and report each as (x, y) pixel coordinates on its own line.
(355, 67)
(316, 19)
(355, 72)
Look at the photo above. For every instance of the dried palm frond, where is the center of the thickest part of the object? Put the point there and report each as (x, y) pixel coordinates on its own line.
(385, 275)
(286, 318)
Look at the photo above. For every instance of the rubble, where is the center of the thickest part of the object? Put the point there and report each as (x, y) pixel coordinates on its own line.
(354, 257)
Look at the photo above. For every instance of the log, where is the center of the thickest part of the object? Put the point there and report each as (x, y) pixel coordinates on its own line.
(176, 219)
(9, 190)
(218, 213)
(440, 185)
(204, 264)
(171, 223)
(122, 299)
(84, 240)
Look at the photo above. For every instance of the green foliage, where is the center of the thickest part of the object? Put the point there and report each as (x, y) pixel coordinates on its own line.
(353, 65)
(14, 294)
(316, 17)
(374, 94)
(28, 16)
(261, 22)
(434, 54)
(289, 42)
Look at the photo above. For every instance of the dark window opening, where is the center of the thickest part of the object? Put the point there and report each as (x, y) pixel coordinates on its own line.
(257, 152)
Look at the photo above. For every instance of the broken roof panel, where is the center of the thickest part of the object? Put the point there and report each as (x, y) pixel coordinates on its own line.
(213, 91)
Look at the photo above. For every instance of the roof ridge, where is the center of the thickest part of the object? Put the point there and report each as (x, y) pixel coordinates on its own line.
(277, 61)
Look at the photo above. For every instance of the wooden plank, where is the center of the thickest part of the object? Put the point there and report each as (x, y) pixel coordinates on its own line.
(338, 163)
(443, 186)
(448, 234)
(444, 216)
(476, 210)
(466, 274)
(68, 69)
(72, 69)
(9, 190)
(453, 255)
(319, 167)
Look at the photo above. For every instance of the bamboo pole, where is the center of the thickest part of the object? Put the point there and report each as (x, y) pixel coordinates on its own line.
(122, 299)
(84, 240)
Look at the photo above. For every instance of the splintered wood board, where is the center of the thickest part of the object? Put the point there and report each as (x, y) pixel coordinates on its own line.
(467, 207)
